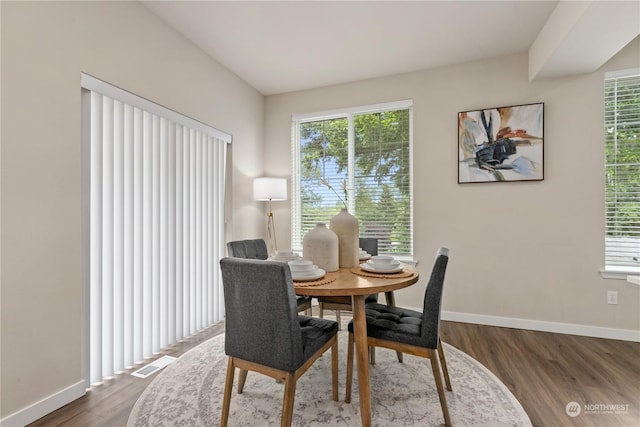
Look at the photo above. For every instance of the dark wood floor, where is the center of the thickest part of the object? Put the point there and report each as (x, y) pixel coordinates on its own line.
(544, 371)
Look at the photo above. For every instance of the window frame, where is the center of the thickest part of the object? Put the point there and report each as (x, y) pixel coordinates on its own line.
(612, 269)
(346, 113)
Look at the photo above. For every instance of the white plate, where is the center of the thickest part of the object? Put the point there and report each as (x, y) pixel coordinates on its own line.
(375, 269)
(305, 271)
(317, 274)
(285, 259)
(365, 257)
(392, 264)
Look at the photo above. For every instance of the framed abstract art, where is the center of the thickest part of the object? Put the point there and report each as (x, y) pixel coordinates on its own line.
(501, 144)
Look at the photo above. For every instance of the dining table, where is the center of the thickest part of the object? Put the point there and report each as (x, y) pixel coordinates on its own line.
(357, 284)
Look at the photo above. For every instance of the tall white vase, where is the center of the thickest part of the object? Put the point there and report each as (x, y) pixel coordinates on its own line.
(346, 227)
(320, 245)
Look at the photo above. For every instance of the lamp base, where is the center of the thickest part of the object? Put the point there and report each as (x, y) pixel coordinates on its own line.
(272, 244)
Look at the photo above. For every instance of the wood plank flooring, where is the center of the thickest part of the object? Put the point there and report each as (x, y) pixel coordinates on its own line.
(545, 372)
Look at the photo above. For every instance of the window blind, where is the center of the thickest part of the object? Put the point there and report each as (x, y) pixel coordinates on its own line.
(156, 228)
(622, 170)
(359, 159)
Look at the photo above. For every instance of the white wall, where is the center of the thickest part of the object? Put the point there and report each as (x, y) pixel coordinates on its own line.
(527, 251)
(45, 47)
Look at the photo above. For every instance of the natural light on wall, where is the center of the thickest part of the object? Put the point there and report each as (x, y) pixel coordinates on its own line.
(154, 209)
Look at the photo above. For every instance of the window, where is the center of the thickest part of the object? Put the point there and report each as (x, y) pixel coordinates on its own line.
(154, 226)
(622, 170)
(359, 159)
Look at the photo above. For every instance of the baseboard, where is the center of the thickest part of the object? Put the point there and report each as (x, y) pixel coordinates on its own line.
(45, 406)
(544, 326)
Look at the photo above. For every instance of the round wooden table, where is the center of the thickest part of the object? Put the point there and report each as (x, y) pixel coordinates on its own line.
(357, 287)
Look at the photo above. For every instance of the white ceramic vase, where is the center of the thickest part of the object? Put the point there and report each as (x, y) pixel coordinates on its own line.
(346, 228)
(320, 245)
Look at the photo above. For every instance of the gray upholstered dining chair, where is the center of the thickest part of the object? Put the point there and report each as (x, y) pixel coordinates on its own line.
(410, 331)
(369, 244)
(278, 343)
(257, 249)
(250, 249)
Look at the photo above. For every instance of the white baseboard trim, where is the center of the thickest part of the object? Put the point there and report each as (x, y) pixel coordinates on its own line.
(45, 406)
(544, 326)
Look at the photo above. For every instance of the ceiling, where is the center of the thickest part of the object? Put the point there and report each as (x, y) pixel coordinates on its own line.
(285, 46)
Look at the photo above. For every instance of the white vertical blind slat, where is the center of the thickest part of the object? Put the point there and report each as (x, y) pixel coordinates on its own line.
(179, 233)
(95, 238)
(155, 214)
(138, 306)
(128, 251)
(147, 209)
(186, 232)
(163, 236)
(192, 232)
(107, 238)
(198, 235)
(118, 236)
(171, 238)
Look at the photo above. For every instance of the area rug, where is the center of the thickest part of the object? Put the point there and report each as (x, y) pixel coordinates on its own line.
(189, 393)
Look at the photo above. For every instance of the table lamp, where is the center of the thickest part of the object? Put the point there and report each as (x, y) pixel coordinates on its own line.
(270, 189)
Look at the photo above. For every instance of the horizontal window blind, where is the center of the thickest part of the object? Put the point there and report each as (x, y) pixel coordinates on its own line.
(622, 170)
(156, 198)
(359, 159)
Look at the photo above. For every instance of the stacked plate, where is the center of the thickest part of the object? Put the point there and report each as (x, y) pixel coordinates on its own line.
(303, 269)
(363, 255)
(284, 256)
(382, 264)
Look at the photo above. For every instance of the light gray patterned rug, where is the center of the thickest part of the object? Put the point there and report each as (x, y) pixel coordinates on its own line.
(189, 393)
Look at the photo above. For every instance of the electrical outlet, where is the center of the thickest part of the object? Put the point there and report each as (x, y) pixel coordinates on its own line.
(612, 297)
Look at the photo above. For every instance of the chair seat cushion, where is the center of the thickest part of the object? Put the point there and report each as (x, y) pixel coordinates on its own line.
(393, 323)
(315, 333)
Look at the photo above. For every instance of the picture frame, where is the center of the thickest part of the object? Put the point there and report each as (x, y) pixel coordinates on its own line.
(501, 144)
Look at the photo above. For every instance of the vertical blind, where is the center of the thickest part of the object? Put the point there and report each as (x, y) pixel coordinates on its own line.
(156, 206)
(359, 159)
(622, 170)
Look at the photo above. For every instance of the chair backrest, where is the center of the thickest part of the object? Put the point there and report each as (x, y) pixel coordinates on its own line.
(433, 299)
(251, 249)
(261, 321)
(369, 244)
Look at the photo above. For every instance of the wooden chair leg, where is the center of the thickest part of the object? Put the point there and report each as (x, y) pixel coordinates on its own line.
(435, 367)
(320, 309)
(334, 370)
(228, 386)
(241, 379)
(347, 397)
(289, 397)
(372, 355)
(443, 362)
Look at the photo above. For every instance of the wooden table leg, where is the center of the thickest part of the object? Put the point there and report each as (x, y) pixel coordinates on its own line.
(390, 298)
(362, 358)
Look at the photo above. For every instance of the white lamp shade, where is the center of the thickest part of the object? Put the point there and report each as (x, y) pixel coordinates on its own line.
(270, 189)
